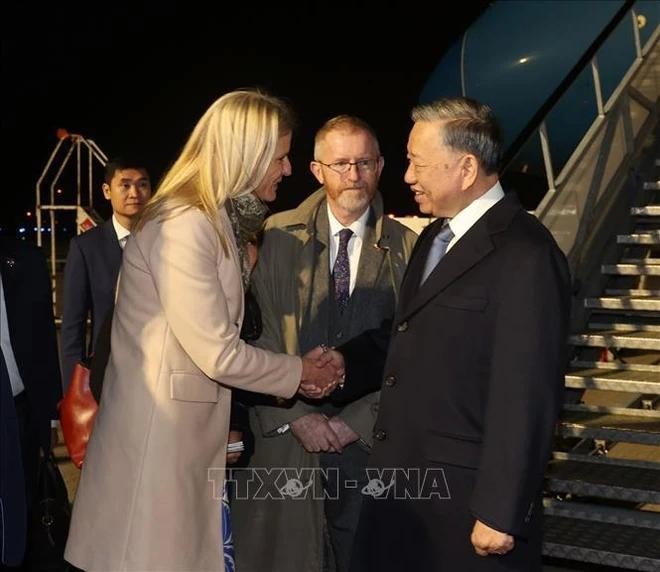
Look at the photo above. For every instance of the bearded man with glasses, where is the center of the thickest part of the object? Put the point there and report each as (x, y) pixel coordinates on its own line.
(327, 271)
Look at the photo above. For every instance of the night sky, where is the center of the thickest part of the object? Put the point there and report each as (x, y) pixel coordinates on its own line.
(135, 78)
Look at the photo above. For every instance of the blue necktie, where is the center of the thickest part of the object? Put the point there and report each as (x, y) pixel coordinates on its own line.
(438, 249)
(341, 272)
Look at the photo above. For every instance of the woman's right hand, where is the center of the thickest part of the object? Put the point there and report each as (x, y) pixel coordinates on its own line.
(323, 370)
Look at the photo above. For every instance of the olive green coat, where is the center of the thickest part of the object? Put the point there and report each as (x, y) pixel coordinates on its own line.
(292, 285)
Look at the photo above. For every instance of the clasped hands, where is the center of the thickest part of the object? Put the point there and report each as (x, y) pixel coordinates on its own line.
(322, 371)
(317, 433)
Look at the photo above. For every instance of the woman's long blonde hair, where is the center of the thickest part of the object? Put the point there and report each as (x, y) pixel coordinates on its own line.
(226, 156)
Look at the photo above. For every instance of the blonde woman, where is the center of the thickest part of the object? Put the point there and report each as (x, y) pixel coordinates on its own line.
(151, 486)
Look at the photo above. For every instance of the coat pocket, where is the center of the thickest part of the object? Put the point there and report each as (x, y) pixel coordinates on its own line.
(461, 302)
(457, 450)
(186, 386)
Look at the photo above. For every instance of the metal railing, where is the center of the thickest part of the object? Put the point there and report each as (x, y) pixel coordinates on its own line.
(87, 153)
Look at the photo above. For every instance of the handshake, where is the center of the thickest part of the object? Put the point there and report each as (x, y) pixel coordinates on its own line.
(322, 371)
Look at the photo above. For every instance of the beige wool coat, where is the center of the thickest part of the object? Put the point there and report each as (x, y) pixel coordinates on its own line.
(149, 498)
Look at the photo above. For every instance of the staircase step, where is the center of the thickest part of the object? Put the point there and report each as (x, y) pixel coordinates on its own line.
(649, 210)
(641, 269)
(647, 261)
(623, 303)
(586, 533)
(614, 379)
(597, 477)
(602, 513)
(618, 339)
(609, 365)
(611, 424)
(652, 237)
(639, 323)
(609, 459)
(635, 293)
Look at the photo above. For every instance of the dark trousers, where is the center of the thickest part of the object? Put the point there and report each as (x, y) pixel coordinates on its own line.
(29, 456)
(346, 478)
(29, 447)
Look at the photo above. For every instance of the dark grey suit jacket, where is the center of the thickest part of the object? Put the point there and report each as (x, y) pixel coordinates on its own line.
(90, 277)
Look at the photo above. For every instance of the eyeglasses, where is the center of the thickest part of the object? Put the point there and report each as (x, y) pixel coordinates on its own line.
(343, 167)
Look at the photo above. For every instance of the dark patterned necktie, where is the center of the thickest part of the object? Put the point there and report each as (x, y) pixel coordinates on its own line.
(438, 249)
(341, 272)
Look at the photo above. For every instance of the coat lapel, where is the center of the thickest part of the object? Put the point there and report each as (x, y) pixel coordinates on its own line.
(413, 274)
(473, 247)
(111, 248)
(313, 267)
(372, 259)
(10, 266)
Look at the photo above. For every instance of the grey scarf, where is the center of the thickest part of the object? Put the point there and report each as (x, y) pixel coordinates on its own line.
(246, 214)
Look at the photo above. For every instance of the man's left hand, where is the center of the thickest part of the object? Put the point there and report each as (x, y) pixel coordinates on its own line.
(487, 540)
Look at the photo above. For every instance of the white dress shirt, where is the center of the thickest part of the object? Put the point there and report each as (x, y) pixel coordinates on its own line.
(17, 385)
(122, 233)
(354, 247)
(465, 219)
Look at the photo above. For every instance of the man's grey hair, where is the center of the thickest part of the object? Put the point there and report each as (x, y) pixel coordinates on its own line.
(468, 126)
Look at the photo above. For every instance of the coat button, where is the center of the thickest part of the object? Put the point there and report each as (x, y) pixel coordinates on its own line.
(380, 435)
(402, 327)
(390, 381)
(339, 335)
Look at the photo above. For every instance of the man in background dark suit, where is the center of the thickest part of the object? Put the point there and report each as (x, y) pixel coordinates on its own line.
(473, 379)
(93, 262)
(30, 386)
